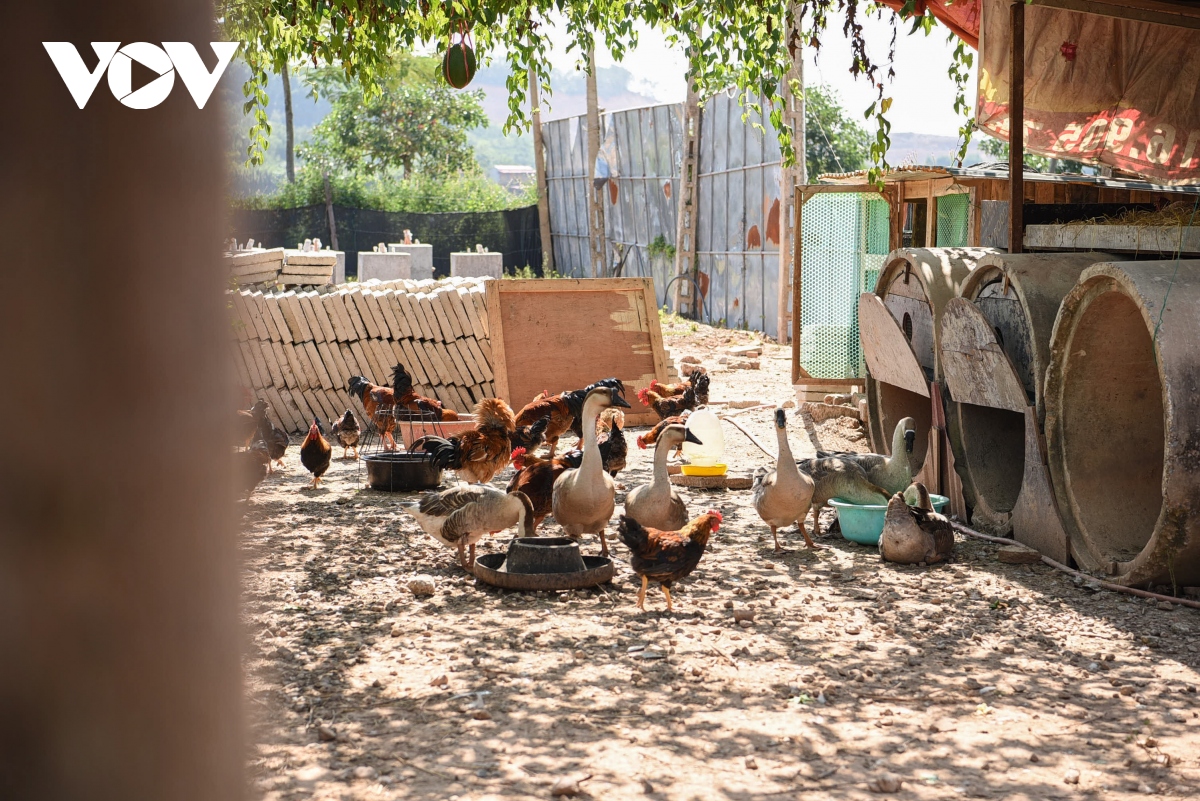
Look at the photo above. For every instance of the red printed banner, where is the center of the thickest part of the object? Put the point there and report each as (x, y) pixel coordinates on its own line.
(960, 16)
(1099, 90)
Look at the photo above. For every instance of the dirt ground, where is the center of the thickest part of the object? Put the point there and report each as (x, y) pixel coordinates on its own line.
(975, 679)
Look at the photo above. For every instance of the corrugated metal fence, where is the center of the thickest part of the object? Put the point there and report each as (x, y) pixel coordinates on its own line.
(737, 198)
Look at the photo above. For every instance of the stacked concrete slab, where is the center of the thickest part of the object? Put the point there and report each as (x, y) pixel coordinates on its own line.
(298, 349)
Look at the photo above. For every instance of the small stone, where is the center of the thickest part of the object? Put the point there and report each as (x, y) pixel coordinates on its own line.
(568, 786)
(729, 604)
(579, 656)
(751, 764)
(742, 615)
(885, 783)
(326, 734)
(313, 773)
(1008, 648)
(440, 681)
(746, 624)
(647, 787)
(377, 684)
(397, 630)
(1034, 758)
(421, 586)
(1071, 777)
(1145, 789)
(364, 772)
(853, 629)
(481, 714)
(1127, 689)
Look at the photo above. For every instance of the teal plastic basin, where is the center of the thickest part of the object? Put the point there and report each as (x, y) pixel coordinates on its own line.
(863, 523)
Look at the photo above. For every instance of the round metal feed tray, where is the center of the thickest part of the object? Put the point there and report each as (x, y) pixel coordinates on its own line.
(544, 563)
(402, 472)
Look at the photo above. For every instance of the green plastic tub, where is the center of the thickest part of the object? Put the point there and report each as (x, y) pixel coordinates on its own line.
(863, 523)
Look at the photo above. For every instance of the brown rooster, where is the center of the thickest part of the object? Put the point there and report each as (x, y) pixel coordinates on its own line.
(610, 439)
(380, 404)
(648, 439)
(275, 439)
(699, 381)
(251, 468)
(668, 407)
(315, 454)
(535, 477)
(479, 454)
(564, 411)
(346, 432)
(246, 424)
(407, 398)
(666, 556)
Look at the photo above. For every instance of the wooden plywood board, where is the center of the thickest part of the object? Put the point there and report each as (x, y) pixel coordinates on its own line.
(887, 351)
(565, 334)
(976, 368)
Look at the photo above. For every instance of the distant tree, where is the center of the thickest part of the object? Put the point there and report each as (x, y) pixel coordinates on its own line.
(416, 123)
(833, 141)
(998, 150)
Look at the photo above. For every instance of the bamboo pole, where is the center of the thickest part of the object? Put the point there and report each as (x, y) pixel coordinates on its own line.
(539, 160)
(595, 201)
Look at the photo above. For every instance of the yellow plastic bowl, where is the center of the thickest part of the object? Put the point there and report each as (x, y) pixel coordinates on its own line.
(703, 469)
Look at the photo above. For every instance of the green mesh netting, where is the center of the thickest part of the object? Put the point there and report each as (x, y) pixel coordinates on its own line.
(844, 237)
(952, 215)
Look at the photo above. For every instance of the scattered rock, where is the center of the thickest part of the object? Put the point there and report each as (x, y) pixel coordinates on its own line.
(397, 630)
(364, 772)
(751, 764)
(421, 586)
(885, 783)
(440, 681)
(1018, 555)
(481, 714)
(689, 360)
(313, 773)
(568, 786)
(746, 624)
(742, 615)
(326, 734)
(1071, 777)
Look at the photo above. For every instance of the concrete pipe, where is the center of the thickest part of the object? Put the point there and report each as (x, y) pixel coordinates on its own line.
(1122, 416)
(1017, 299)
(914, 285)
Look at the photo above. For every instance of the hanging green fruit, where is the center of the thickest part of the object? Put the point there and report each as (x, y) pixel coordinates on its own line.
(459, 65)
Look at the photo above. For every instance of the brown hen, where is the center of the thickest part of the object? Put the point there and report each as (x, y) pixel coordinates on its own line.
(666, 556)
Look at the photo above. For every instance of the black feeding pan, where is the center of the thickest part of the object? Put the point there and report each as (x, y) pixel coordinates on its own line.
(543, 563)
(402, 472)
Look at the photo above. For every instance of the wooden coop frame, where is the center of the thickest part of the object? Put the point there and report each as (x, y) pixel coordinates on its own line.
(1047, 197)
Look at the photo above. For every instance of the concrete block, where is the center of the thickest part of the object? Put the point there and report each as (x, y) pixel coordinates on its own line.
(477, 265)
(384, 266)
(422, 258)
(339, 269)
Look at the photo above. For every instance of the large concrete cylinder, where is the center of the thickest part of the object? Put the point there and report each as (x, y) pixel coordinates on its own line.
(1018, 295)
(915, 285)
(1123, 420)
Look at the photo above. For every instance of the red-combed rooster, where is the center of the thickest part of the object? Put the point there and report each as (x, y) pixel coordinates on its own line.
(315, 454)
(535, 477)
(648, 439)
(407, 398)
(666, 556)
(698, 381)
(380, 404)
(478, 455)
(564, 411)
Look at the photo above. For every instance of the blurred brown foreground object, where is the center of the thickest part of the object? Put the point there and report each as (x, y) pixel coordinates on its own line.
(119, 676)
